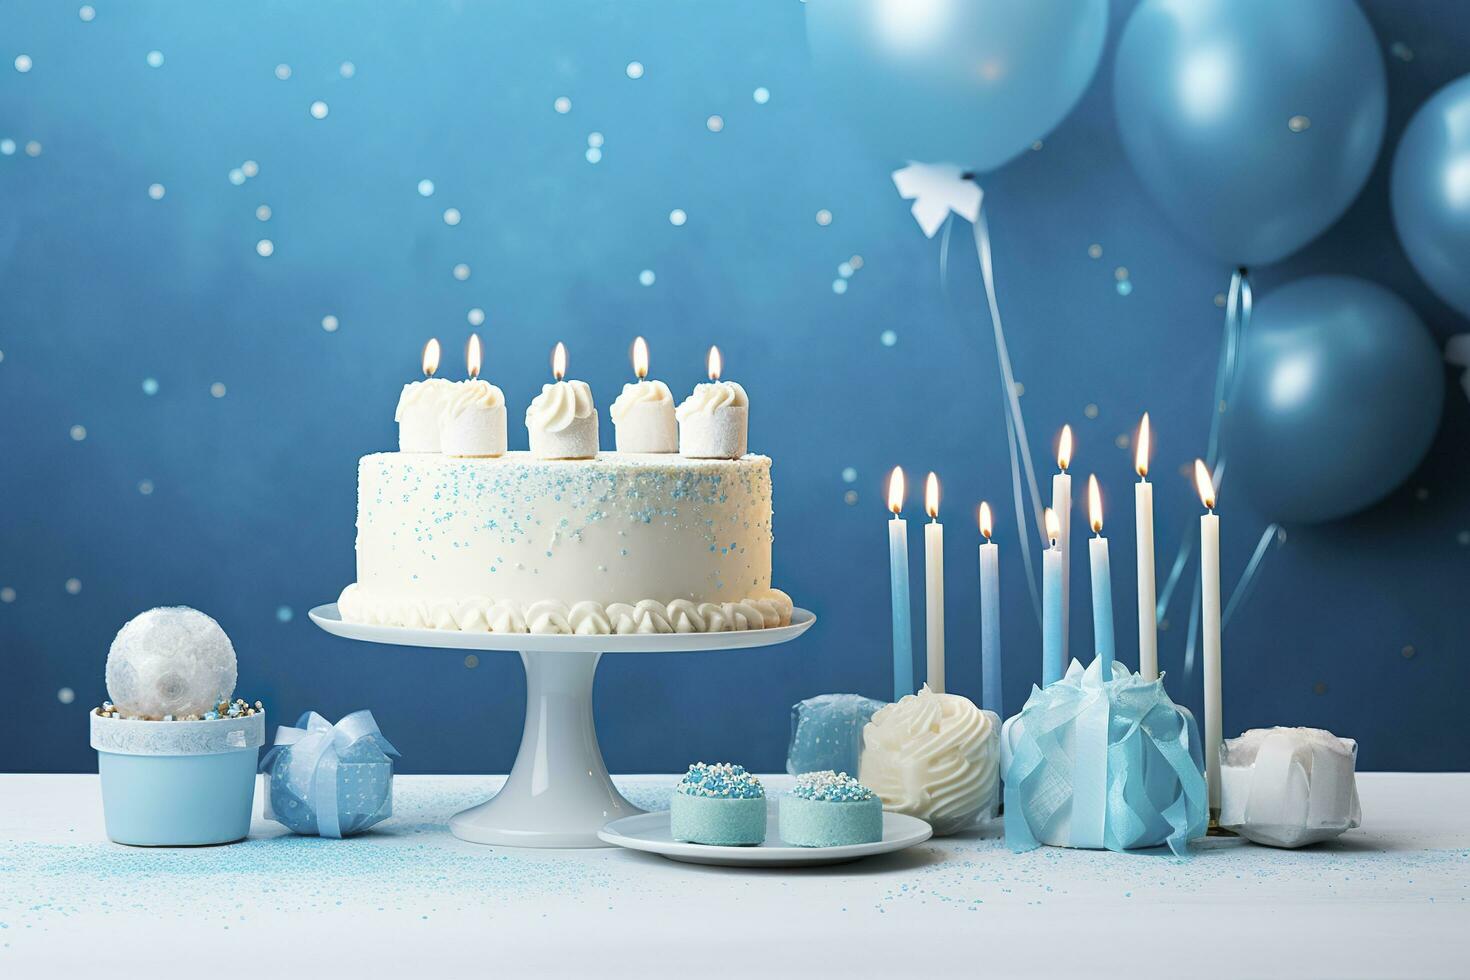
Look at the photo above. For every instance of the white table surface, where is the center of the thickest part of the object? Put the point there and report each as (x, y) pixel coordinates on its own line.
(1389, 900)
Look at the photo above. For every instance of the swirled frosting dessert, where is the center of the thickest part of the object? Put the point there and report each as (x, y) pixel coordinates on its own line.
(713, 421)
(474, 420)
(718, 804)
(420, 414)
(562, 421)
(643, 418)
(933, 756)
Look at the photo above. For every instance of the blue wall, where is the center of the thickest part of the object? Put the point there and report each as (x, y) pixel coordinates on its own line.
(1359, 626)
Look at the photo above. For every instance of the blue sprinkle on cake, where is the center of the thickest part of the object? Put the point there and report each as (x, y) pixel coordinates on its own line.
(830, 809)
(718, 804)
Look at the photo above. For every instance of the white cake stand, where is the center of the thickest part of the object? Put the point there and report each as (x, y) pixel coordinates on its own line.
(559, 793)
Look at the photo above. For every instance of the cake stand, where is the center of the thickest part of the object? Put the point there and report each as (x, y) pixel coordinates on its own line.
(558, 793)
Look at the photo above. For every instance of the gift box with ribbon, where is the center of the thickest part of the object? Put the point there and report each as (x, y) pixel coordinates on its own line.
(331, 780)
(1094, 763)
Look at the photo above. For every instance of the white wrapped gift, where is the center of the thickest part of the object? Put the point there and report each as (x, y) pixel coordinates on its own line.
(1286, 787)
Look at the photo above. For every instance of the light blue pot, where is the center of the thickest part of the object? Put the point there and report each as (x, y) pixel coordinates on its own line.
(176, 783)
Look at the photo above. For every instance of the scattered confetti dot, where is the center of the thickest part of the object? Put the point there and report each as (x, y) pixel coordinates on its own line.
(319, 109)
(839, 286)
(824, 217)
(1463, 537)
(562, 104)
(1319, 688)
(283, 72)
(2, 357)
(461, 272)
(761, 95)
(145, 487)
(1094, 251)
(635, 69)
(1125, 287)
(1037, 145)
(1401, 51)
(426, 188)
(78, 433)
(714, 124)
(845, 270)
(22, 63)
(476, 317)
(850, 497)
(677, 217)
(73, 586)
(155, 59)
(263, 213)
(87, 13)
(7, 594)
(347, 69)
(284, 614)
(1164, 624)
(1120, 273)
(330, 323)
(593, 154)
(150, 386)
(1408, 651)
(1298, 124)
(7, 147)
(1421, 494)
(595, 139)
(1090, 410)
(646, 277)
(217, 389)
(66, 695)
(250, 168)
(849, 475)
(888, 338)
(237, 176)
(1020, 389)
(156, 191)
(451, 216)
(33, 148)
(1220, 300)
(471, 661)
(1123, 440)
(265, 248)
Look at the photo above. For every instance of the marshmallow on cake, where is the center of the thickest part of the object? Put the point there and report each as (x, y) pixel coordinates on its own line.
(713, 420)
(474, 413)
(562, 421)
(421, 407)
(643, 415)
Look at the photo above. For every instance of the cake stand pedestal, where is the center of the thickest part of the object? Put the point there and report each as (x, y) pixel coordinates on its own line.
(558, 793)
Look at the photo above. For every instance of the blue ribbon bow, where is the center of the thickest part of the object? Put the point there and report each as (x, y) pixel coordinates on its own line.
(312, 752)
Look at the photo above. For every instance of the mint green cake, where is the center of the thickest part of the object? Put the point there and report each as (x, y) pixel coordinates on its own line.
(718, 804)
(830, 809)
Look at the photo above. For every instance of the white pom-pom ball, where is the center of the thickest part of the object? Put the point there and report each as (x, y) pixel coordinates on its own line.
(172, 660)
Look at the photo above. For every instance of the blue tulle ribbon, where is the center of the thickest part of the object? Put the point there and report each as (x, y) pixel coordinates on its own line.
(312, 788)
(1094, 763)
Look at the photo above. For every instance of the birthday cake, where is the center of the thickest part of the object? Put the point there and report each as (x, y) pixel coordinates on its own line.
(561, 539)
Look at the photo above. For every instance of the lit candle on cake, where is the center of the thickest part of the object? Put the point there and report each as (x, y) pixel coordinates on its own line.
(898, 573)
(1102, 582)
(421, 406)
(1209, 567)
(1061, 503)
(474, 419)
(934, 586)
(562, 421)
(1051, 604)
(1143, 505)
(713, 420)
(643, 415)
(989, 616)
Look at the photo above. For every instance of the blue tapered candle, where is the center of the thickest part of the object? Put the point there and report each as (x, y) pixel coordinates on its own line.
(898, 576)
(1102, 583)
(1051, 604)
(990, 697)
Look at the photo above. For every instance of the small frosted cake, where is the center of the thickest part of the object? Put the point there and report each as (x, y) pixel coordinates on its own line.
(718, 804)
(830, 809)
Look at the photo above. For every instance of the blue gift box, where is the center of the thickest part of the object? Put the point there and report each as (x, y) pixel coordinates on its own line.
(330, 780)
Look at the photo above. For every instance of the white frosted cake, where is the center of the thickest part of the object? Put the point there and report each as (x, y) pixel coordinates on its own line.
(621, 543)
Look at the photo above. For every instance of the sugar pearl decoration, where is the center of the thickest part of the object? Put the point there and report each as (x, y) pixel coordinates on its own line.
(643, 415)
(170, 661)
(562, 420)
(474, 416)
(713, 421)
(422, 407)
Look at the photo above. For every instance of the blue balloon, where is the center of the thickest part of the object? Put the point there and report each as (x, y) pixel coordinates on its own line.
(1252, 123)
(1431, 193)
(1339, 397)
(969, 82)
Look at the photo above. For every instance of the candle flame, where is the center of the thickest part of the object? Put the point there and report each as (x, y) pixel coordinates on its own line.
(1140, 453)
(931, 497)
(1094, 504)
(715, 365)
(1053, 528)
(985, 521)
(895, 490)
(1204, 484)
(640, 357)
(431, 357)
(559, 361)
(472, 356)
(1064, 448)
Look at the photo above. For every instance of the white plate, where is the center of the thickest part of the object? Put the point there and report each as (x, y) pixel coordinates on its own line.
(650, 832)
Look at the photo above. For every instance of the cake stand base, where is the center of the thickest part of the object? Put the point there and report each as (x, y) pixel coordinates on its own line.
(558, 793)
